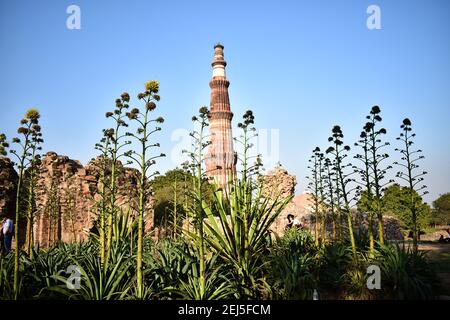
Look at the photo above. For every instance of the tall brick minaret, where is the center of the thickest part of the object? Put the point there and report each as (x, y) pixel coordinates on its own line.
(220, 162)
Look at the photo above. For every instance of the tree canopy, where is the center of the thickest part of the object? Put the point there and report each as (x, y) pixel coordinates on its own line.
(396, 201)
(441, 212)
(179, 183)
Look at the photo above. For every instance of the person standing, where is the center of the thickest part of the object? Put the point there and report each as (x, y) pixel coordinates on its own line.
(292, 222)
(7, 230)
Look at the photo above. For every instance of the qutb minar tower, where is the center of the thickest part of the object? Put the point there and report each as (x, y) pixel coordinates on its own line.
(220, 161)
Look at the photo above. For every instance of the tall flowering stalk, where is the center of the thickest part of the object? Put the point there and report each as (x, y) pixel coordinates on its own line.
(185, 165)
(28, 144)
(322, 192)
(248, 170)
(330, 194)
(142, 158)
(248, 134)
(338, 193)
(175, 208)
(197, 155)
(314, 187)
(376, 160)
(366, 193)
(101, 205)
(411, 175)
(35, 160)
(115, 136)
(339, 151)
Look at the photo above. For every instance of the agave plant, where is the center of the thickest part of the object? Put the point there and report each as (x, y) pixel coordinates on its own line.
(405, 273)
(217, 283)
(296, 241)
(241, 247)
(166, 266)
(355, 283)
(112, 279)
(125, 229)
(40, 270)
(291, 276)
(6, 275)
(99, 282)
(334, 259)
(292, 266)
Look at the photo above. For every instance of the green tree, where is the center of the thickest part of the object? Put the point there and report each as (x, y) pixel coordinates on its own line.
(396, 201)
(441, 210)
(176, 182)
(168, 190)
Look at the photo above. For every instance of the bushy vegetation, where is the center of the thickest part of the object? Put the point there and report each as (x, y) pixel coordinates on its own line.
(292, 269)
(226, 249)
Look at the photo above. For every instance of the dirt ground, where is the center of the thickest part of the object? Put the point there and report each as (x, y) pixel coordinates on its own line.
(439, 257)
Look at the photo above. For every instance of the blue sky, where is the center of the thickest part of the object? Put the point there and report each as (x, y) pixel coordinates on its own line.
(301, 66)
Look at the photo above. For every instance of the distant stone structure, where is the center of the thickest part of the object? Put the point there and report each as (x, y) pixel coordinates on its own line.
(8, 185)
(220, 160)
(278, 182)
(66, 192)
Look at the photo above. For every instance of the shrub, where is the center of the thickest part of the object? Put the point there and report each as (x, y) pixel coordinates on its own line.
(291, 276)
(334, 259)
(405, 273)
(292, 265)
(296, 241)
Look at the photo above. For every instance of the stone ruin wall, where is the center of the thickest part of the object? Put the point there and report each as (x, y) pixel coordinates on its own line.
(66, 192)
(8, 185)
(279, 183)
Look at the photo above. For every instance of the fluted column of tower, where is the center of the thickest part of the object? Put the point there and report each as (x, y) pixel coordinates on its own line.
(220, 162)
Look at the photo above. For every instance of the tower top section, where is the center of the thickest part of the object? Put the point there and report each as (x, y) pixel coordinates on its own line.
(218, 64)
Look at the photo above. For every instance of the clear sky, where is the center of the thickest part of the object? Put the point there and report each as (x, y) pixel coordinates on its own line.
(301, 66)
